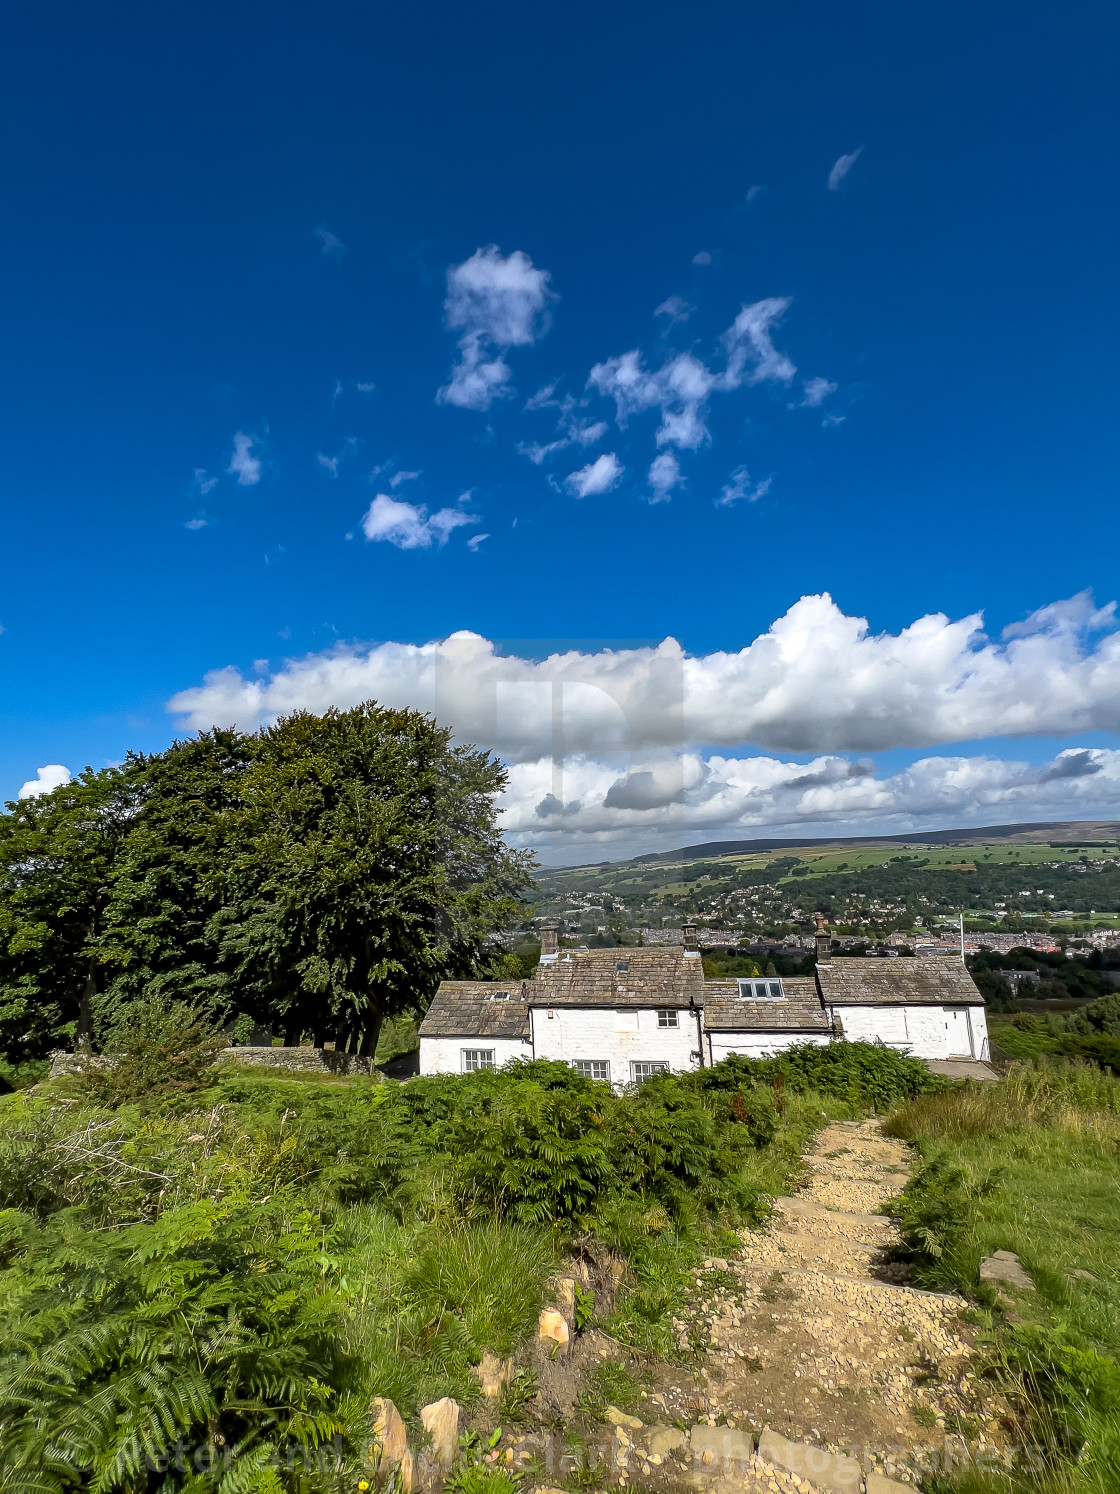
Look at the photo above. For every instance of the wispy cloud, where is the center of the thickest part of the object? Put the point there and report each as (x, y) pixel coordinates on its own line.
(204, 482)
(664, 476)
(408, 525)
(476, 540)
(739, 487)
(242, 464)
(332, 463)
(46, 780)
(495, 303)
(841, 168)
(330, 244)
(702, 258)
(755, 192)
(597, 477)
(402, 477)
(681, 387)
(200, 521)
(832, 420)
(676, 308)
(816, 392)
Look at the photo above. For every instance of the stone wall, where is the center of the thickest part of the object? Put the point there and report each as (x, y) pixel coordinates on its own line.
(301, 1060)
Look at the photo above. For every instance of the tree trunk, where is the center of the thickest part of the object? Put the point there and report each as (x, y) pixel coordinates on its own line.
(292, 1033)
(85, 1010)
(371, 1033)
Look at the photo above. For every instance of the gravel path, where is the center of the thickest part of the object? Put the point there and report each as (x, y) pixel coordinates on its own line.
(814, 1335)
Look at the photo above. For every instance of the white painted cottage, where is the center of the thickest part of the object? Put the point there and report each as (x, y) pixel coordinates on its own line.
(621, 1014)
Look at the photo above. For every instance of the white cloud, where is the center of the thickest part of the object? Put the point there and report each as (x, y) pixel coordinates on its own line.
(597, 477)
(693, 798)
(476, 540)
(242, 464)
(816, 392)
(408, 525)
(702, 258)
(204, 482)
(830, 421)
(401, 477)
(53, 776)
(755, 192)
(200, 521)
(576, 432)
(365, 386)
(330, 244)
(495, 304)
(841, 168)
(816, 681)
(664, 476)
(676, 308)
(681, 387)
(330, 463)
(739, 486)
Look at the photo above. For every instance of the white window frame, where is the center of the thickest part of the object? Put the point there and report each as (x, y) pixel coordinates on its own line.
(645, 1068)
(668, 1016)
(587, 1067)
(749, 988)
(474, 1060)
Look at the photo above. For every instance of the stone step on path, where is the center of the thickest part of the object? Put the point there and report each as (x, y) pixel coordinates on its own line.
(825, 1349)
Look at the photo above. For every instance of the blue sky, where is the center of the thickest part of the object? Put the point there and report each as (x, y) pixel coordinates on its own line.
(230, 221)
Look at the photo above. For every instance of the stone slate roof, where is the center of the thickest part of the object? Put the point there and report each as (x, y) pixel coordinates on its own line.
(870, 982)
(799, 1011)
(619, 978)
(466, 1008)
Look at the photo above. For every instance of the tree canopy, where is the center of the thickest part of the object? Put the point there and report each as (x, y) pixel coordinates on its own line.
(322, 874)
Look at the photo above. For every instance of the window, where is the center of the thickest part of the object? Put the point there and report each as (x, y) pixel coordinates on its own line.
(640, 1071)
(623, 967)
(477, 1058)
(593, 1068)
(761, 990)
(499, 995)
(667, 1017)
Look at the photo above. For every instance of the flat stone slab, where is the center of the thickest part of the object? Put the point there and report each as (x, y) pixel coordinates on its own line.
(805, 1208)
(721, 1446)
(1005, 1266)
(835, 1472)
(879, 1483)
(960, 1068)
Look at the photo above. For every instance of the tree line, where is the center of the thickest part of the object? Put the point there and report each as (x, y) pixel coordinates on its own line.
(320, 874)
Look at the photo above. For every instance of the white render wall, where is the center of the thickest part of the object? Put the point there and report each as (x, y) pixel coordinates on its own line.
(444, 1055)
(923, 1031)
(761, 1044)
(617, 1035)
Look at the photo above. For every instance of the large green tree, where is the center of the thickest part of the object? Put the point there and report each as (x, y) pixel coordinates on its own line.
(323, 874)
(363, 864)
(58, 948)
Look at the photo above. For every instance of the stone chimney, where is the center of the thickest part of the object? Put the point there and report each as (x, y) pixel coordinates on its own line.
(550, 947)
(689, 940)
(824, 942)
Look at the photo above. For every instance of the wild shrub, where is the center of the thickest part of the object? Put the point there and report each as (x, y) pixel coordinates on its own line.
(1076, 1389)
(156, 1050)
(936, 1218)
(204, 1337)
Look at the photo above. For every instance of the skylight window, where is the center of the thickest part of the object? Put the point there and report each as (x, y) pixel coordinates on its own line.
(499, 995)
(761, 990)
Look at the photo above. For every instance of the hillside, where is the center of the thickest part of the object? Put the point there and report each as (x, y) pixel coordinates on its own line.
(1061, 878)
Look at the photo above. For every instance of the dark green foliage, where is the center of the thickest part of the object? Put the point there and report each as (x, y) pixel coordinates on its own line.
(207, 1333)
(935, 1214)
(862, 1073)
(1079, 1387)
(323, 873)
(156, 1049)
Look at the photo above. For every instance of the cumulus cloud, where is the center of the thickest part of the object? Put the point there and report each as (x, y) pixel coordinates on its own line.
(817, 680)
(739, 487)
(242, 464)
(408, 525)
(840, 169)
(681, 387)
(53, 776)
(495, 304)
(644, 733)
(597, 477)
(664, 476)
(702, 258)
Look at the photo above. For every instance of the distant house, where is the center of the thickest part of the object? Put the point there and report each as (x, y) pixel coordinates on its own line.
(622, 1014)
